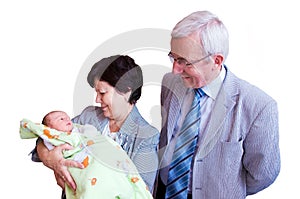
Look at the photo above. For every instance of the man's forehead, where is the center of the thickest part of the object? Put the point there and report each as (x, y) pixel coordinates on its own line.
(186, 47)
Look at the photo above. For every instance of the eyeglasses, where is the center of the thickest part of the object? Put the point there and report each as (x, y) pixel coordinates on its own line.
(183, 62)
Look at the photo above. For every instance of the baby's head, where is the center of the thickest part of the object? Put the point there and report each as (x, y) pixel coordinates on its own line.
(58, 120)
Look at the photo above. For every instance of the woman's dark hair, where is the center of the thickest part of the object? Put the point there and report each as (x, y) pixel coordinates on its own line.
(121, 72)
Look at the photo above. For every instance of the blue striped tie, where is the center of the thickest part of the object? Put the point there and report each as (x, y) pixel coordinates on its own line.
(179, 171)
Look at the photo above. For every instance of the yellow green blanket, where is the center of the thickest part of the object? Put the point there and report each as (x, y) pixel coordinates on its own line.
(108, 173)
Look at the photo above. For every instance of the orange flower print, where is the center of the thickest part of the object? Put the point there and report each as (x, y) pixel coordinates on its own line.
(134, 179)
(85, 162)
(48, 134)
(90, 142)
(55, 136)
(93, 181)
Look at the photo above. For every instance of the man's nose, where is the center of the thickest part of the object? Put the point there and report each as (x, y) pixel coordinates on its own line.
(177, 69)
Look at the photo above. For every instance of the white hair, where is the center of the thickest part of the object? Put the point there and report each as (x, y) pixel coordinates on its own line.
(212, 32)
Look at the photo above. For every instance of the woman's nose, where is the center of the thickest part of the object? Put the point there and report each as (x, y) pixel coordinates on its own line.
(98, 99)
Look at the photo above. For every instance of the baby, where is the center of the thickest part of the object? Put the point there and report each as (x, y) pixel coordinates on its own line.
(108, 170)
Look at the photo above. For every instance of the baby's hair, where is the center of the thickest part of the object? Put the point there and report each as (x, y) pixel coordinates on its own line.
(45, 119)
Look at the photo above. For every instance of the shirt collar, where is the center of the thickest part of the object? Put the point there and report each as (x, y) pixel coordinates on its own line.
(212, 89)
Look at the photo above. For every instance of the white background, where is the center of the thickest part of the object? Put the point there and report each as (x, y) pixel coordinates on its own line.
(44, 44)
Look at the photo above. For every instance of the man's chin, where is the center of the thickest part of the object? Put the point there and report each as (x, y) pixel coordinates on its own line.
(187, 83)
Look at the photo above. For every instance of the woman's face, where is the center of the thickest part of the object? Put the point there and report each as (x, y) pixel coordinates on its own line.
(114, 104)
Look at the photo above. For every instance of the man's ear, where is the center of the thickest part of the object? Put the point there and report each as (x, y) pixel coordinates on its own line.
(218, 60)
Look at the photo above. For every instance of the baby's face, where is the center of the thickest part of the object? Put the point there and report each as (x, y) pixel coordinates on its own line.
(60, 121)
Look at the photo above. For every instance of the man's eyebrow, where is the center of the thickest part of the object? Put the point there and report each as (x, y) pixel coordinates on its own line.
(179, 57)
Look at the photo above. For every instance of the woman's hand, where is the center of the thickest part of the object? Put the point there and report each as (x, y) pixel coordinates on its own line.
(59, 180)
(54, 160)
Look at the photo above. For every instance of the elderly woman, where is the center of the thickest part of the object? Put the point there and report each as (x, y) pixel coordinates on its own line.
(118, 82)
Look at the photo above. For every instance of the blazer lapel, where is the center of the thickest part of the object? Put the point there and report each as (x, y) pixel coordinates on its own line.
(179, 92)
(223, 105)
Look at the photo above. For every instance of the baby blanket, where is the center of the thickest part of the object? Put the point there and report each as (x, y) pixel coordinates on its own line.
(108, 173)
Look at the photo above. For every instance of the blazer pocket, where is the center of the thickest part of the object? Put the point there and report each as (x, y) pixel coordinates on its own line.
(231, 154)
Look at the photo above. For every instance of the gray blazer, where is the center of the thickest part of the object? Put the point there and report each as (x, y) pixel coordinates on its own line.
(238, 152)
(138, 138)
